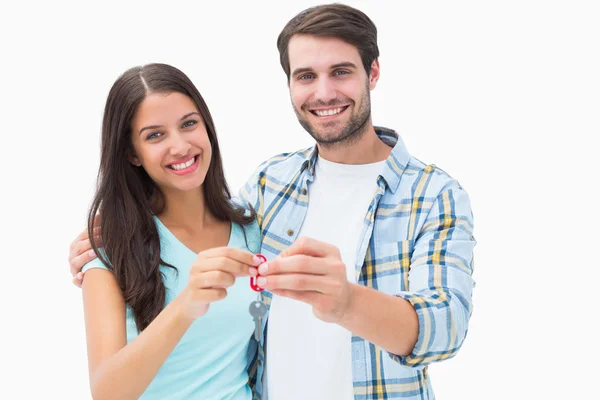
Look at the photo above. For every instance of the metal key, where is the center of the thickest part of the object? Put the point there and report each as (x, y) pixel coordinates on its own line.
(257, 309)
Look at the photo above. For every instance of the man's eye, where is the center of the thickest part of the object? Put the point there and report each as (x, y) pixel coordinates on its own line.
(305, 77)
(341, 72)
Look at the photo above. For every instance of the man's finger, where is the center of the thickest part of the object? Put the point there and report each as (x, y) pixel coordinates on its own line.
(310, 247)
(78, 280)
(82, 247)
(97, 229)
(306, 297)
(297, 282)
(295, 264)
(78, 262)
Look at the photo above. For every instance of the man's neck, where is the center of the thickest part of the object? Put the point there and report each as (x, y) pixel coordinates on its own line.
(366, 150)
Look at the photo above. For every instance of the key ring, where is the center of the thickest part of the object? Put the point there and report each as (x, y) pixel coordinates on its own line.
(253, 284)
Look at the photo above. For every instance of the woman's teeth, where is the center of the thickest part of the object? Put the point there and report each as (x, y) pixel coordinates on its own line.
(183, 165)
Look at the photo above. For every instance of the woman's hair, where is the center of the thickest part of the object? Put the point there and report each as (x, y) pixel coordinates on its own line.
(127, 198)
(332, 20)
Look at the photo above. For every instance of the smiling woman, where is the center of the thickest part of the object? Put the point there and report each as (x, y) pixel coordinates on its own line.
(179, 146)
(173, 245)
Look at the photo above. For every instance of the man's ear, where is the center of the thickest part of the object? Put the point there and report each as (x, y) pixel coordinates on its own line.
(374, 75)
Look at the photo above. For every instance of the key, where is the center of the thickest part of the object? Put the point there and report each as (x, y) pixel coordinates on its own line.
(257, 309)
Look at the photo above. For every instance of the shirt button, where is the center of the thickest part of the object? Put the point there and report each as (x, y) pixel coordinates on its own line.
(259, 362)
(290, 232)
(303, 191)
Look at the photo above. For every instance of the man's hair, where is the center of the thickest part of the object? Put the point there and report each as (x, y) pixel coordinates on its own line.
(332, 20)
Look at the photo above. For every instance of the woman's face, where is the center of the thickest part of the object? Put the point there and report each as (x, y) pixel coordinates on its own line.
(170, 142)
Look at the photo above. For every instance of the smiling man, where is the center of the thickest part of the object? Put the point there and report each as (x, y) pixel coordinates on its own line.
(370, 251)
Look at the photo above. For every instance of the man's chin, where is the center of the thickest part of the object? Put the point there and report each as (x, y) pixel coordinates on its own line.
(327, 138)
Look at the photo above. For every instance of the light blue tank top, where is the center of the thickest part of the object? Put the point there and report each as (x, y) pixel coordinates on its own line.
(210, 360)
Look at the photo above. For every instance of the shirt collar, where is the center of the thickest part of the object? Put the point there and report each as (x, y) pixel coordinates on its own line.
(395, 164)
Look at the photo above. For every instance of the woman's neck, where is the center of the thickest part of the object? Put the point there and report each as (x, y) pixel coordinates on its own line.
(186, 209)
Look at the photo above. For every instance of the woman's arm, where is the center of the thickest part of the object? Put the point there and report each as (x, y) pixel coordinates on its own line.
(119, 370)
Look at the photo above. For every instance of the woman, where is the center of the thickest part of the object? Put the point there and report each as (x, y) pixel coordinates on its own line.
(166, 302)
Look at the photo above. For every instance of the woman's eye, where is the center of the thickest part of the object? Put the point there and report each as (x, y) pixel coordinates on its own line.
(189, 123)
(153, 135)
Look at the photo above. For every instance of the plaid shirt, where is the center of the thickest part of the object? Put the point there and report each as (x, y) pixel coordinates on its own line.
(416, 243)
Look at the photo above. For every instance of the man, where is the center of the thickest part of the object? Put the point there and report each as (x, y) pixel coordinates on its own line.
(370, 251)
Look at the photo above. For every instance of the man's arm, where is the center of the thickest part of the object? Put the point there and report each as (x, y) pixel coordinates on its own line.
(428, 322)
(81, 253)
(313, 272)
(440, 279)
(425, 324)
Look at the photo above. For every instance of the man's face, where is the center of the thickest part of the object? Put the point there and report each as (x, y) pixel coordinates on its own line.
(329, 88)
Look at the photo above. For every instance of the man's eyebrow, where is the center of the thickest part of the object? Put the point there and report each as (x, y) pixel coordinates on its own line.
(346, 64)
(299, 71)
(160, 126)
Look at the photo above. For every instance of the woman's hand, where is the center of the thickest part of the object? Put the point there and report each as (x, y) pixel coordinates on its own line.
(211, 274)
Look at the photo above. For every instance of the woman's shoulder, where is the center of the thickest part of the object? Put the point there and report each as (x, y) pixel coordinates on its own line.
(95, 263)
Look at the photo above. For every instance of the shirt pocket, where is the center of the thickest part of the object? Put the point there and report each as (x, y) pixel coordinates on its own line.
(387, 265)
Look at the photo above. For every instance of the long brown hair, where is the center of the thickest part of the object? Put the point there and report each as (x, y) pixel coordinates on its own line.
(127, 198)
(332, 20)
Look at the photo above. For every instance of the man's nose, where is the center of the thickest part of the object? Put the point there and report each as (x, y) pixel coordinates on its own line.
(325, 90)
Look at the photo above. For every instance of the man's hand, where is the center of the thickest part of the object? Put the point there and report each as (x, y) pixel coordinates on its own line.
(80, 251)
(312, 272)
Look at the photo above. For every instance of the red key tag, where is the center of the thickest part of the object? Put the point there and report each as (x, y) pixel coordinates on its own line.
(253, 284)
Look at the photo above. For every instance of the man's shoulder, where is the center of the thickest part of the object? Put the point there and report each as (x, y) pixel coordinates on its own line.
(282, 165)
(436, 180)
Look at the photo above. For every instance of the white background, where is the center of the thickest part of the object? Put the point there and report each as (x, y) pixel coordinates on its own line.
(504, 96)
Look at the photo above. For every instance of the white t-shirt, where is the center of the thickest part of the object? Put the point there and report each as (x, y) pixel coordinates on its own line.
(306, 357)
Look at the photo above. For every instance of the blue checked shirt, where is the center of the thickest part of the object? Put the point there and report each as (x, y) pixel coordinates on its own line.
(416, 243)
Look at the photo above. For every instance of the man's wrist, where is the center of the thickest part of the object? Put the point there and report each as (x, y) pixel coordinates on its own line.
(350, 312)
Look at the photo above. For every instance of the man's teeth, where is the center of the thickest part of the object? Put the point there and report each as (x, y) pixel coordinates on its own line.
(183, 165)
(325, 113)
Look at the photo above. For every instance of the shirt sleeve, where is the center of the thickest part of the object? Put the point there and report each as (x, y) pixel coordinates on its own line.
(95, 263)
(440, 279)
(252, 193)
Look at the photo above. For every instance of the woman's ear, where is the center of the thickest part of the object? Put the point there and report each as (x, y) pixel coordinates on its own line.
(134, 160)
